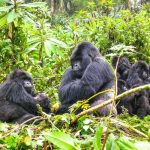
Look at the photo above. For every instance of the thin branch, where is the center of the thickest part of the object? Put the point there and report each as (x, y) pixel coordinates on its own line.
(92, 109)
(128, 127)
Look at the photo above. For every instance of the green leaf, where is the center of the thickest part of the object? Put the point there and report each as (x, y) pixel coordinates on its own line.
(35, 4)
(125, 144)
(61, 140)
(49, 48)
(12, 16)
(5, 8)
(110, 141)
(32, 47)
(58, 43)
(3, 21)
(97, 138)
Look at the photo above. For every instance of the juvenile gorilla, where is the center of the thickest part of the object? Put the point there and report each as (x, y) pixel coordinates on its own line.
(17, 100)
(122, 68)
(138, 75)
(89, 73)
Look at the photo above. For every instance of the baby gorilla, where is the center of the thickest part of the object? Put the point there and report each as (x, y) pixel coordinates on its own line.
(17, 100)
(89, 74)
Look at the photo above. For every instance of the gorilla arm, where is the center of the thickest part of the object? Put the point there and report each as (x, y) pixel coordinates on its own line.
(18, 95)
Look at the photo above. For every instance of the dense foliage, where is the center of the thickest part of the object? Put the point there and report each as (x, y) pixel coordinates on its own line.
(40, 42)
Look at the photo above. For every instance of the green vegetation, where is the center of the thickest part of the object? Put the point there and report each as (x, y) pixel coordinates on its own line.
(40, 42)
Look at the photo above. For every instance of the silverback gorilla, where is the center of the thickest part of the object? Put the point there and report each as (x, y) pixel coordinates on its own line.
(17, 100)
(89, 73)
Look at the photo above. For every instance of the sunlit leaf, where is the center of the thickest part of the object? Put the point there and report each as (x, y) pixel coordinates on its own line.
(49, 48)
(12, 16)
(32, 47)
(58, 43)
(35, 4)
(61, 140)
(5, 8)
(97, 138)
(3, 21)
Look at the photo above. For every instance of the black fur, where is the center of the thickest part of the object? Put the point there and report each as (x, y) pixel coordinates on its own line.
(89, 73)
(138, 75)
(122, 68)
(17, 103)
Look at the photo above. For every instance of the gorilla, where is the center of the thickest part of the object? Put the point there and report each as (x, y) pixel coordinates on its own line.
(17, 99)
(127, 101)
(122, 68)
(89, 74)
(138, 75)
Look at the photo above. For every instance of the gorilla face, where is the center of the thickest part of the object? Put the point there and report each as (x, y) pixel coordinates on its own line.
(142, 69)
(24, 79)
(27, 84)
(123, 64)
(80, 59)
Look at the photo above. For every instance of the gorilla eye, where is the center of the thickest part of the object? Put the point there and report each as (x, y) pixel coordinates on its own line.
(90, 55)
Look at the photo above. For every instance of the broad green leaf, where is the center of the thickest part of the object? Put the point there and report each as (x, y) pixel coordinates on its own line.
(5, 8)
(3, 21)
(12, 16)
(61, 140)
(97, 138)
(32, 47)
(58, 43)
(125, 144)
(49, 48)
(110, 141)
(35, 4)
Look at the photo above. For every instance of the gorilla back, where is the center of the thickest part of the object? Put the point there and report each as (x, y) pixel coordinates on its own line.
(89, 73)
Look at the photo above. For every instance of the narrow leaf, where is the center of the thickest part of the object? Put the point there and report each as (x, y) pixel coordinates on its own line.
(97, 138)
(58, 43)
(35, 4)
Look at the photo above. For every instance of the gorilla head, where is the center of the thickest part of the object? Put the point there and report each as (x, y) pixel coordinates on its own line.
(82, 56)
(123, 66)
(141, 68)
(22, 78)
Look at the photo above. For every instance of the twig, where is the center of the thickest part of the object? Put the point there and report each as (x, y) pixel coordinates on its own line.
(92, 109)
(113, 104)
(129, 127)
(17, 128)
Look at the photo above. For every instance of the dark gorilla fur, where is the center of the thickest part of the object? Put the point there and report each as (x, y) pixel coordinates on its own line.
(17, 100)
(138, 75)
(127, 101)
(89, 73)
(122, 68)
